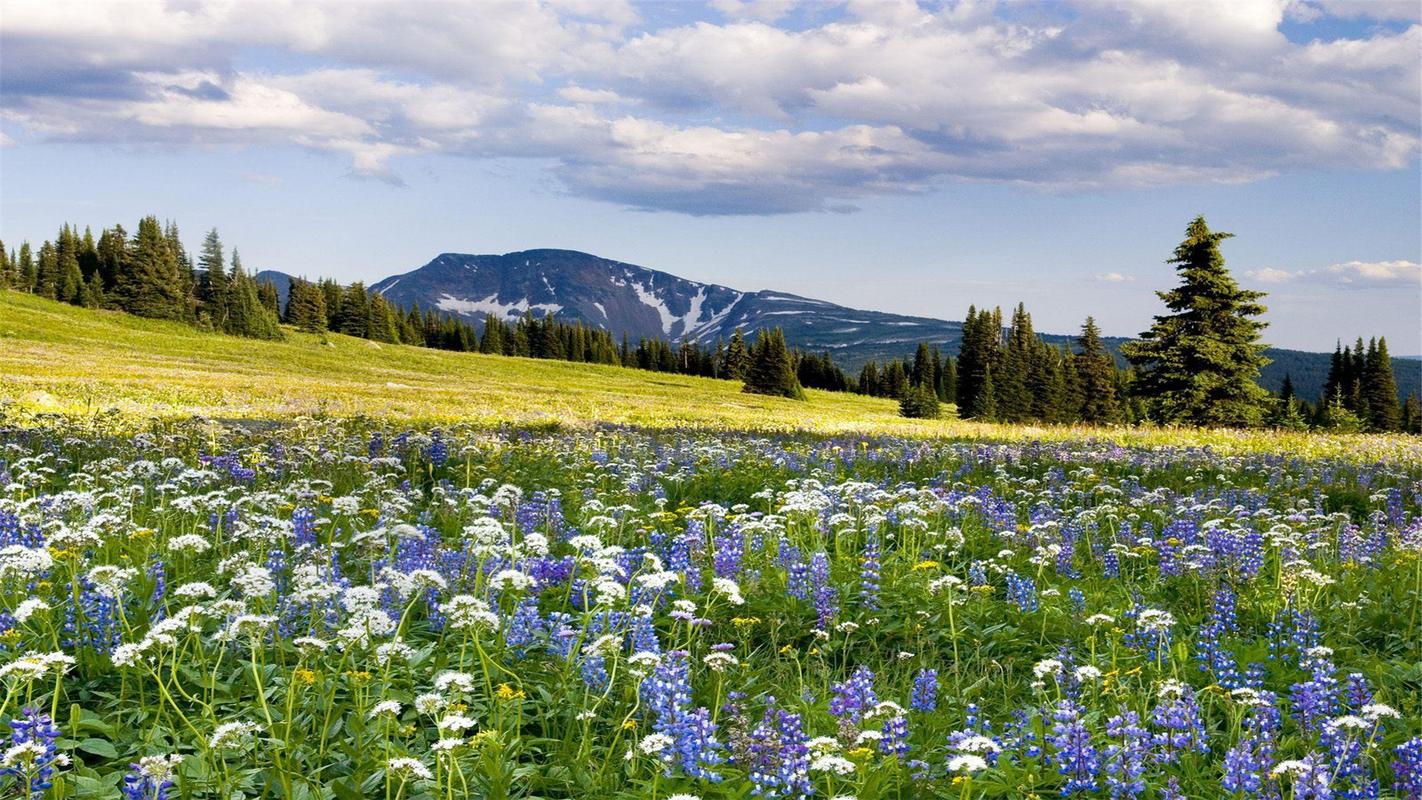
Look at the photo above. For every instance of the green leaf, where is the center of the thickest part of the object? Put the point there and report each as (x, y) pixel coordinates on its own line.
(99, 747)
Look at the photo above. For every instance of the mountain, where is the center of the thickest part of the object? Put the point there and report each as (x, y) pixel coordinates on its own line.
(642, 302)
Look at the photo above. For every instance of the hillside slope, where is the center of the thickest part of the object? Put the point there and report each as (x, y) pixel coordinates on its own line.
(56, 357)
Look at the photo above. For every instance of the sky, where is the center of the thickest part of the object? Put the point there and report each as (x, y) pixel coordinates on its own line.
(899, 156)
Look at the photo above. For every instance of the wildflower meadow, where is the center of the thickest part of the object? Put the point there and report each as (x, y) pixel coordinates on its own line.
(338, 610)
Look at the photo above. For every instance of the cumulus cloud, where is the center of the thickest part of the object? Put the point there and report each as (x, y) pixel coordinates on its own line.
(738, 113)
(1357, 274)
(1114, 277)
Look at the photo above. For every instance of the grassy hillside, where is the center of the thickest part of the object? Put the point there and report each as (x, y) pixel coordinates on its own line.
(56, 358)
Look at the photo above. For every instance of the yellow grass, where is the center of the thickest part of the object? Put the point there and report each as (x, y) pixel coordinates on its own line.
(56, 358)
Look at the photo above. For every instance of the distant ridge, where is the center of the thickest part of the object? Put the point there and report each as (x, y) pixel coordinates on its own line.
(647, 303)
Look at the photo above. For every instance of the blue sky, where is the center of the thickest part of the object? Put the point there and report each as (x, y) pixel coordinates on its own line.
(907, 158)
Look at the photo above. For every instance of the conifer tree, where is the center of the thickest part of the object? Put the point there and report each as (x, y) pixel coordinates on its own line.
(148, 284)
(353, 318)
(984, 406)
(1412, 415)
(379, 322)
(47, 280)
(213, 284)
(492, 341)
(1010, 379)
(1198, 364)
(737, 359)
(246, 316)
(924, 372)
(1073, 394)
(1044, 383)
(306, 306)
(112, 247)
(919, 402)
(949, 392)
(1096, 373)
(270, 297)
(7, 277)
(1379, 388)
(25, 268)
(771, 370)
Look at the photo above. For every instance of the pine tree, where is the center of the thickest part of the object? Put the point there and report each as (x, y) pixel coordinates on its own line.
(737, 359)
(1011, 379)
(978, 355)
(380, 322)
(493, 340)
(213, 284)
(7, 276)
(353, 318)
(1379, 389)
(270, 297)
(246, 315)
(1096, 372)
(306, 307)
(924, 372)
(1198, 364)
(1044, 383)
(1412, 415)
(47, 282)
(919, 402)
(112, 249)
(984, 406)
(950, 381)
(771, 370)
(147, 284)
(25, 269)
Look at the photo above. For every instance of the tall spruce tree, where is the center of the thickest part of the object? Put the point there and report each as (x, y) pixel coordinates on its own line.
(1198, 364)
(1097, 374)
(213, 284)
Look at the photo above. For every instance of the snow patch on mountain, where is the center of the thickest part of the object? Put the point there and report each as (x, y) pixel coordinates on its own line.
(491, 305)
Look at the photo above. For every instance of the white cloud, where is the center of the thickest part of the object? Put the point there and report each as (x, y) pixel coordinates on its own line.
(1114, 277)
(1357, 274)
(741, 116)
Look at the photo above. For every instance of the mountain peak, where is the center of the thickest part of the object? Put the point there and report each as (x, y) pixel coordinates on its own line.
(641, 302)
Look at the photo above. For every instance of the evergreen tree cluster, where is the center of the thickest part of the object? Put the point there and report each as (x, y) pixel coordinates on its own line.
(1014, 375)
(929, 370)
(148, 274)
(771, 367)
(1361, 392)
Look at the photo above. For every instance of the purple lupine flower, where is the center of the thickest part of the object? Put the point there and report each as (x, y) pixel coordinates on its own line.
(1179, 722)
(667, 695)
(33, 771)
(1127, 755)
(853, 697)
(822, 591)
(869, 574)
(779, 758)
(1075, 755)
(924, 696)
(1407, 768)
(1022, 591)
(894, 739)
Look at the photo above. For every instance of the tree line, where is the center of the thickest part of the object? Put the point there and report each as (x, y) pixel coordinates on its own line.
(1196, 365)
